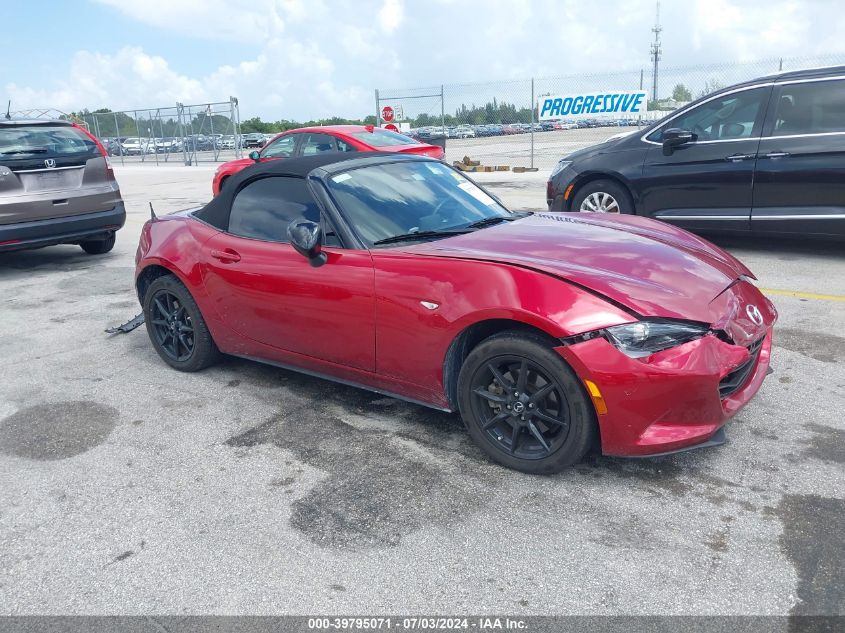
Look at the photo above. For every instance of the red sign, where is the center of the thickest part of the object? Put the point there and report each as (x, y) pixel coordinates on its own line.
(391, 127)
(387, 113)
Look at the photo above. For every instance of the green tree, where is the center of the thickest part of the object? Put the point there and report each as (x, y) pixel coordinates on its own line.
(681, 93)
(711, 85)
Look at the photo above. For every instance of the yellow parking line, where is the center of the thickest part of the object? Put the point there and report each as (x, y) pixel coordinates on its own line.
(802, 295)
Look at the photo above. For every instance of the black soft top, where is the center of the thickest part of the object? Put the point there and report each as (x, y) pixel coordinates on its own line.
(216, 212)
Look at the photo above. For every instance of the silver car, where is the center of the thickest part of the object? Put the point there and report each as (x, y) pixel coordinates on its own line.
(57, 186)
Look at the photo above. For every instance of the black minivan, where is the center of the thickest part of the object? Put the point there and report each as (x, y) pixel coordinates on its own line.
(764, 157)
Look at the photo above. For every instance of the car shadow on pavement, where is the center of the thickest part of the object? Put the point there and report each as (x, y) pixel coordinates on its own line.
(58, 258)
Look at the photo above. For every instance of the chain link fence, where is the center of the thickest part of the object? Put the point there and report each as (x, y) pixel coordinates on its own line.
(496, 122)
(178, 134)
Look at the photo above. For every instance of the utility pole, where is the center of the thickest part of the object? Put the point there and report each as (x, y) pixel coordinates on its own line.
(656, 52)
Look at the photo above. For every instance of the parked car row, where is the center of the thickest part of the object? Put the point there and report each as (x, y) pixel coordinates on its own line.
(499, 129)
(137, 146)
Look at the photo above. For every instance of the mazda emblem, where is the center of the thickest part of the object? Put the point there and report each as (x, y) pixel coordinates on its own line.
(50, 163)
(754, 314)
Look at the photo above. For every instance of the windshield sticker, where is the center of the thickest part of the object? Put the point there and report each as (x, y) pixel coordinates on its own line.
(434, 168)
(477, 193)
(341, 177)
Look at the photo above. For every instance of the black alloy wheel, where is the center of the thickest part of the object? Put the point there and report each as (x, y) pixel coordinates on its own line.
(521, 409)
(524, 405)
(174, 330)
(176, 326)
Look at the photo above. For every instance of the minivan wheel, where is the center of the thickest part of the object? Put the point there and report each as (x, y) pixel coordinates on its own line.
(176, 327)
(98, 247)
(524, 406)
(602, 196)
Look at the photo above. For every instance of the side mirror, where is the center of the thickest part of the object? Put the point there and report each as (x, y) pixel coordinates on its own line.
(675, 137)
(254, 155)
(307, 239)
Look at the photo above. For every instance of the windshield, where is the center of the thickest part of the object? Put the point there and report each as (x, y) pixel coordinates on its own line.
(44, 141)
(383, 201)
(383, 138)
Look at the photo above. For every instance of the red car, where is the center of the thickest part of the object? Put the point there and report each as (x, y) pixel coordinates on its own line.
(309, 141)
(550, 333)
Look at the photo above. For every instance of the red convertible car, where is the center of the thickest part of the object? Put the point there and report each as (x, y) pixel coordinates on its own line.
(309, 141)
(552, 334)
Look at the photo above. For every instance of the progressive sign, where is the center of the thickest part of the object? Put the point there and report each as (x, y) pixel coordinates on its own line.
(592, 103)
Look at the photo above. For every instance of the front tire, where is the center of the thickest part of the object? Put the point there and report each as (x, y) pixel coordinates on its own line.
(603, 196)
(524, 406)
(176, 327)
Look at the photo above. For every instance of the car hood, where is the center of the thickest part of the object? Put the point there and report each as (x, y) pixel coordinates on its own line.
(238, 163)
(601, 147)
(649, 267)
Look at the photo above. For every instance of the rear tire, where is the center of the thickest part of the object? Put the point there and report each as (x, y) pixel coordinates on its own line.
(603, 196)
(524, 405)
(98, 247)
(176, 327)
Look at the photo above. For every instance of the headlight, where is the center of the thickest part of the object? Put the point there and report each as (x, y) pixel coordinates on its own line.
(647, 337)
(563, 164)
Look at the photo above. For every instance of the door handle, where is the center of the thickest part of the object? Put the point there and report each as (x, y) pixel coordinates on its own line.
(738, 157)
(777, 154)
(226, 256)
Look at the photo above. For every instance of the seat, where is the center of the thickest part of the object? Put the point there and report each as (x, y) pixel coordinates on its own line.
(787, 115)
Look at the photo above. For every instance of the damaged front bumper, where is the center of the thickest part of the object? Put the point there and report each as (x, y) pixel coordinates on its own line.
(672, 400)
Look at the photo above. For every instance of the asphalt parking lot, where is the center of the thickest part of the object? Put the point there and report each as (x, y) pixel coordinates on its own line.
(126, 487)
(515, 150)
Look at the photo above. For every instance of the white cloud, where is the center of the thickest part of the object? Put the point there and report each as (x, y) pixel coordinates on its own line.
(391, 15)
(237, 20)
(128, 78)
(746, 31)
(301, 59)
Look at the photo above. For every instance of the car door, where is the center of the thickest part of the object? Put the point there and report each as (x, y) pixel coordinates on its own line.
(266, 291)
(799, 184)
(707, 184)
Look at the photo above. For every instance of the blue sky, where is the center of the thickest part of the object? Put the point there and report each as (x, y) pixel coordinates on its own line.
(302, 59)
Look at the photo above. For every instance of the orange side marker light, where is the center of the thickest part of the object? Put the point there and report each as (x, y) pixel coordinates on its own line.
(595, 394)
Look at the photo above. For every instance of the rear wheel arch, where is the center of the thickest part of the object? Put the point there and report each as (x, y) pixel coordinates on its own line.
(148, 275)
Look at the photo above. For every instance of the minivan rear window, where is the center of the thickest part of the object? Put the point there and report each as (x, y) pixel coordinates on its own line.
(44, 141)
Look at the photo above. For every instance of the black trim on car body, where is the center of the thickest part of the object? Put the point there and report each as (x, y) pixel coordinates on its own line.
(62, 230)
